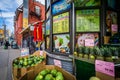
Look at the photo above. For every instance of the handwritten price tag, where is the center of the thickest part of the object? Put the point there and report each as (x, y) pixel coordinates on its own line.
(57, 63)
(105, 67)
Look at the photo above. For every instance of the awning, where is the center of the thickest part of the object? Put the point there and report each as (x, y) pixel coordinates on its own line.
(27, 28)
(24, 30)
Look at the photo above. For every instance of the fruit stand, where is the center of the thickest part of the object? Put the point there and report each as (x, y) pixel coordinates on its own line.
(48, 72)
(79, 28)
(23, 64)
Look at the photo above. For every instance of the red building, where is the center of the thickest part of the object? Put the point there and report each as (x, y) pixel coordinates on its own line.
(18, 23)
(36, 13)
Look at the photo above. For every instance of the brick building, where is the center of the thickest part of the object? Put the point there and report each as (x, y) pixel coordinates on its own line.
(36, 13)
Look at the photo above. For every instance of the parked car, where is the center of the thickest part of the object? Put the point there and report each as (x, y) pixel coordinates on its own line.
(14, 45)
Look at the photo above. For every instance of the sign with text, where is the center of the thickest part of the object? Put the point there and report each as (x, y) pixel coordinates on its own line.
(57, 63)
(88, 20)
(114, 27)
(41, 53)
(105, 67)
(24, 51)
(60, 6)
(89, 42)
(25, 13)
(61, 23)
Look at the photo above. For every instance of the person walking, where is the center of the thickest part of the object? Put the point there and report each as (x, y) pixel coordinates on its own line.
(6, 44)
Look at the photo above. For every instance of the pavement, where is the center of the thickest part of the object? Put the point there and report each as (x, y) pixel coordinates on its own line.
(6, 58)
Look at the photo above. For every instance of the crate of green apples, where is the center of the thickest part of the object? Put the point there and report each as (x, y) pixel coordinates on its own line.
(23, 64)
(48, 72)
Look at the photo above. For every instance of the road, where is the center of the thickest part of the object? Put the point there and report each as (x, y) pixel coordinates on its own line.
(6, 58)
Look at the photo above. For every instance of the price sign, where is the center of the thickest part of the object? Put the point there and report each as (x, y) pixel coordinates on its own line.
(24, 51)
(89, 42)
(57, 63)
(105, 67)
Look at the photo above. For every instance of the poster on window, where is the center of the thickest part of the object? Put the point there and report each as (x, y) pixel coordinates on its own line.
(61, 23)
(86, 3)
(61, 43)
(60, 6)
(87, 20)
(83, 38)
(48, 27)
(111, 18)
(47, 42)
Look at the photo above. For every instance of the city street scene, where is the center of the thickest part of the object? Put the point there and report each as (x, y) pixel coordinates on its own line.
(59, 40)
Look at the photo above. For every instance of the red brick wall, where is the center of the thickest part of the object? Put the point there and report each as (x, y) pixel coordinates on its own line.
(32, 18)
(18, 28)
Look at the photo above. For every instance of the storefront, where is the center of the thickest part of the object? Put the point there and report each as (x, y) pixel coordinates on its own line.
(71, 25)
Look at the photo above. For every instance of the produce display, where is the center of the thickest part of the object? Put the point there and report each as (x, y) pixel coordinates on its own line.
(111, 54)
(27, 61)
(48, 74)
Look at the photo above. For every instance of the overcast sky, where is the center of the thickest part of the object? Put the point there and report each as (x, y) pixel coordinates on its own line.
(7, 8)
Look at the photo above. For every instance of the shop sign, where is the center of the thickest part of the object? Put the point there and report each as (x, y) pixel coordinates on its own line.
(32, 28)
(24, 51)
(57, 63)
(86, 3)
(105, 67)
(89, 42)
(60, 6)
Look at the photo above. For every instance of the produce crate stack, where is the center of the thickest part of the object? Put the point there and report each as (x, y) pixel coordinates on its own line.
(22, 65)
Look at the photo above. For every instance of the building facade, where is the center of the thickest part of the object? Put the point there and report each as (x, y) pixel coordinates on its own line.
(36, 14)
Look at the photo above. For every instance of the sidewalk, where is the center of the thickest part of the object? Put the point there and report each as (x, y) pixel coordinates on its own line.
(6, 58)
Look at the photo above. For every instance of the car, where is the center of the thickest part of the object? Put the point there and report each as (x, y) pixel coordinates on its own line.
(14, 45)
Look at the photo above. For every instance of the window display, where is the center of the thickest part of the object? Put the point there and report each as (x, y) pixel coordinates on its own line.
(61, 43)
(87, 20)
(81, 38)
(83, 3)
(61, 23)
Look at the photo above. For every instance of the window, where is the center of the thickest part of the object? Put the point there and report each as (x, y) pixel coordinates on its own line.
(37, 10)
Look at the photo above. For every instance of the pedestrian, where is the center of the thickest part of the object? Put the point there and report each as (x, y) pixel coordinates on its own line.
(6, 44)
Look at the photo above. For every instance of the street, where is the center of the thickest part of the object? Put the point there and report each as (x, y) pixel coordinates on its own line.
(6, 58)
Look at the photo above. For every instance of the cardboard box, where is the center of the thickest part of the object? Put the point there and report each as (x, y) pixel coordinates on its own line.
(17, 73)
(103, 76)
(31, 75)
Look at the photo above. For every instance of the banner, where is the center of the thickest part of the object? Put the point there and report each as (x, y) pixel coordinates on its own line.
(25, 13)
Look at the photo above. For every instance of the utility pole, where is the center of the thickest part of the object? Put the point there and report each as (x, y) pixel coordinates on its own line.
(4, 26)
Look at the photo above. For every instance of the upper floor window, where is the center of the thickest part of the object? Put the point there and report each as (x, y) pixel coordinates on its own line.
(37, 10)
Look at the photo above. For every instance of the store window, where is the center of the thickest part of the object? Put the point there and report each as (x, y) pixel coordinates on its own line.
(37, 10)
